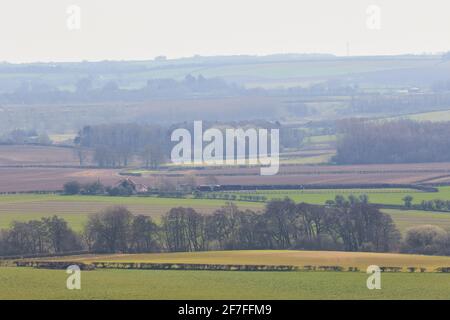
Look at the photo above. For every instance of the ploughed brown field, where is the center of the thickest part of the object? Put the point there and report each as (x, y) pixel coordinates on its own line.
(442, 167)
(35, 168)
(332, 174)
(36, 209)
(30, 155)
(14, 179)
(50, 179)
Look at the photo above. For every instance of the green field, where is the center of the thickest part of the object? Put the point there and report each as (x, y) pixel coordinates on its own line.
(319, 159)
(434, 116)
(322, 139)
(75, 209)
(382, 196)
(26, 283)
(405, 219)
(75, 220)
(58, 138)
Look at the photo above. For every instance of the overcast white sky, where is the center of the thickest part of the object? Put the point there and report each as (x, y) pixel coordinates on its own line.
(33, 30)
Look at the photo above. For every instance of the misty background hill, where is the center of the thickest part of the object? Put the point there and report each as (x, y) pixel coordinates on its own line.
(63, 97)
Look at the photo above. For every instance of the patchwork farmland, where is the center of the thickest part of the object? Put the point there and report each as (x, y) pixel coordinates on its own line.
(32, 177)
(112, 184)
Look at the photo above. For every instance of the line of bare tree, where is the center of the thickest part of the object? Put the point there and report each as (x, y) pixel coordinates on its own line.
(350, 224)
(118, 144)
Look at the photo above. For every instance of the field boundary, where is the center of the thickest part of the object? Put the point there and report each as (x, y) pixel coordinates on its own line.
(239, 187)
(210, 267)
(43, 255)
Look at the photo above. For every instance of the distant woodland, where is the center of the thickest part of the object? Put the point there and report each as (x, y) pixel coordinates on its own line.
(402, 141)
(115, 145)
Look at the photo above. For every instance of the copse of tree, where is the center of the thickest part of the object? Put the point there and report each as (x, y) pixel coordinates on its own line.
(427, 205)
(184, 230)
(117, 230)
(402, 141)
(362, 226)
(72, 187)
(91, 188)
(115, 145)
(427, 239)
(345, 224)
(229, 228)
(436, 204)
(408, 201)
(109, 230)
(60, 236)
(281, 216)
(300, 226)
(48, 235)
(145, 235)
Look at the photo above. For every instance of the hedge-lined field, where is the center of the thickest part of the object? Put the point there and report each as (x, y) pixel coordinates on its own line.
(28, 283)
(360, 260)
(382, 196)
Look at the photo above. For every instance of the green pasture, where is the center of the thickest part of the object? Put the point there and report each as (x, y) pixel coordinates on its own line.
(405, 219)
(26, 283)
(319, 159)
(75, 220)
(433, 116)
(322, 139)
(75, 209)
(170, 202)
(392, 196)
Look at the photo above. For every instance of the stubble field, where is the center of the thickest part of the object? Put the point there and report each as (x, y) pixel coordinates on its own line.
(361, 260)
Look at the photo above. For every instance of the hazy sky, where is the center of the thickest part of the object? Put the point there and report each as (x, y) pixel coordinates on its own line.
(33, 30)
